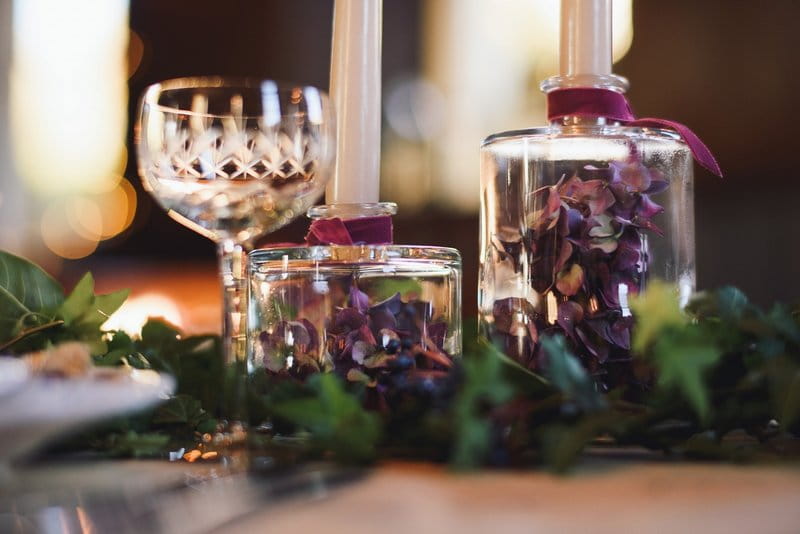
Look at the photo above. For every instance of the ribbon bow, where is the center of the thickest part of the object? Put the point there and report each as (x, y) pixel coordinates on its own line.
(361, 231)
(594, 102)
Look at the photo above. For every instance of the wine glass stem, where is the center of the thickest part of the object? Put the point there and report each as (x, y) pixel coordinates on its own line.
(233, 270)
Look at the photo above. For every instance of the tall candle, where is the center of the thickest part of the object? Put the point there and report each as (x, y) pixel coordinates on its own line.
(585, 37)
(356, 93)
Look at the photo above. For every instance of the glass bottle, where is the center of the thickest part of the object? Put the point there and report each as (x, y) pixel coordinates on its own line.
(577, 217)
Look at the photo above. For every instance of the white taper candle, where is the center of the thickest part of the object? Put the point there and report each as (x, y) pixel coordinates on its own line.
(356, 93)
(585, 46)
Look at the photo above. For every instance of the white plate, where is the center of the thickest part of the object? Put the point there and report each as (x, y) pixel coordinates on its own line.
(34, 409)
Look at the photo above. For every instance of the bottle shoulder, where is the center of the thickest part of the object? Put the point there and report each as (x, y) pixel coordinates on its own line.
(555, 134)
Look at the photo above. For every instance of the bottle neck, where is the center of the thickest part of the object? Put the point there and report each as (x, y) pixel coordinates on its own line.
(611, 82)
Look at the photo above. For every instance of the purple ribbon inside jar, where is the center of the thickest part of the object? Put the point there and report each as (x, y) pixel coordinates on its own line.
(595, 102)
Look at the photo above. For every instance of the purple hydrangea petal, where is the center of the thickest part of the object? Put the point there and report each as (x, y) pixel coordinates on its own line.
(634, 175)
(620, 332)
(574, 221)
(437, 332)
(569, 281)
(393, 304)
(648, 225)
(569, 314)
(648, 208)
(357, 299)
(361, 350)
(348, 319)
(657, 186)
(382, 318)
(629, 252)
(313, 343)
(563, 256)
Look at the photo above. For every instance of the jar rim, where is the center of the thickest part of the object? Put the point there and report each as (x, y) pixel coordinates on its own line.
(591, 131)
(371, 253)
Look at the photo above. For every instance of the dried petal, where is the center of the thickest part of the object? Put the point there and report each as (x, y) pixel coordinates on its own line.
(382, 319)
(634, 175)
(569, 314)
(437, 332)
(313, 335)
(648, 208)
(394, 304)
(606, 244)
(348, 319)
(647, 224)
(601, 226)
(357, 299)
(569, 281)
(361, 351)
(596, 195)
(629, 253)
(564, 254)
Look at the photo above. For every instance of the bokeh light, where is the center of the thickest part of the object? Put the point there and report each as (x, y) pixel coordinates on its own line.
(68, 117)
(59, 233)
(136, 311)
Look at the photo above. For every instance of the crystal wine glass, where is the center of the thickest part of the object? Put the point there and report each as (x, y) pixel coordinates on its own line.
(234, 160)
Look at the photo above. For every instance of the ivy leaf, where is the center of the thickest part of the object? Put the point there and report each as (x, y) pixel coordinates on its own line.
(136, 445)
(566, 373)
(731, 302)
(180, 409)
(484, 387)
(784, 384)
(102, 308)
(84, 313)
(681, 358)
(335, 418)
(561, 443)
(28, 297)
(79, 301)
(656, 310)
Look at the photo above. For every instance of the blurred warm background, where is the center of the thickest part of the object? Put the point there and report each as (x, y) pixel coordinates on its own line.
(454, 71)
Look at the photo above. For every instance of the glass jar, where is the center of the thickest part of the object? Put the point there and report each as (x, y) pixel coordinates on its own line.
(360, 311)
(577, 217)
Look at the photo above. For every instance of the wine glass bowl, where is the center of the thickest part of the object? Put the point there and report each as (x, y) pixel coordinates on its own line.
(234, 159)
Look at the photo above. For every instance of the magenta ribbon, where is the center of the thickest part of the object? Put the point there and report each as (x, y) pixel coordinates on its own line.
(594, 102)
(361, 231)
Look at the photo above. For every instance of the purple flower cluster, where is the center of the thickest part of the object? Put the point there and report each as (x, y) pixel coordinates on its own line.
(362, 342)
(587, 251)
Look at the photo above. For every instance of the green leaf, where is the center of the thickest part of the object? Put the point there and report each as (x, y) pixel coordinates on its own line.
(103, 306)
(562, 443)
(656, 310)
(158, 334)
(484, 387)
(180, 409)
(335, 419)
(136, 445)
(28, 296)
(566, 373)
(79, 301)
(681, 358)
(732, 303)
(784, 385)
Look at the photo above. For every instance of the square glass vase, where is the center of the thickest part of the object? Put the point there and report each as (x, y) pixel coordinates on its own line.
(364, 312)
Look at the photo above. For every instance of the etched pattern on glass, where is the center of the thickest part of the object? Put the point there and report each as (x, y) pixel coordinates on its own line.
(232, 150)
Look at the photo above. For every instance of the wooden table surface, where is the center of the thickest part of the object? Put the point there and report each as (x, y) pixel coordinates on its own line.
(614, 495)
